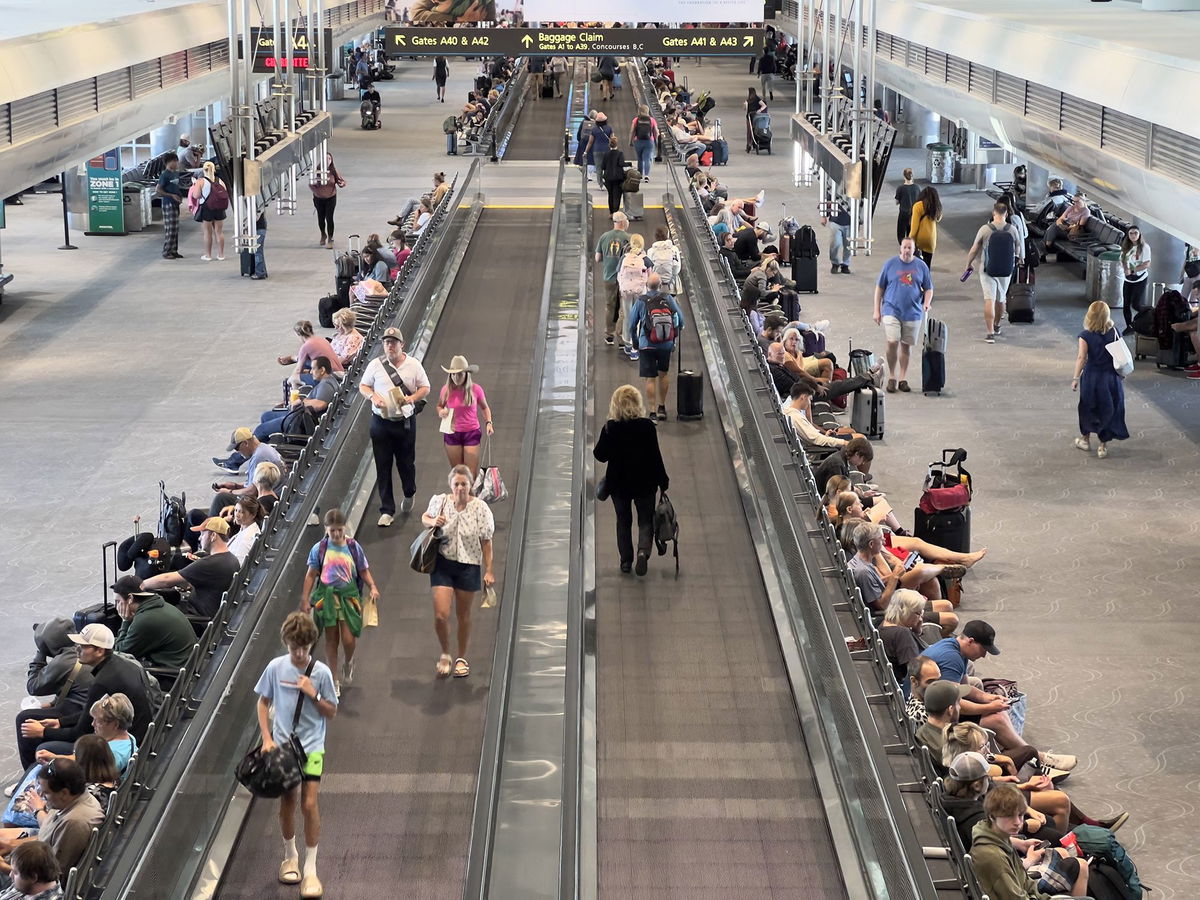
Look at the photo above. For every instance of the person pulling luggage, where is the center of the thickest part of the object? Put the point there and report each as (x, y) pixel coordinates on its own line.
(655, 323)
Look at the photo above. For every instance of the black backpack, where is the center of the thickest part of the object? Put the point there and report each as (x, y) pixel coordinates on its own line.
(805, 245)
(172, 516)
(642, 130)
(301, 421)
(666, 527)
(1001, 252)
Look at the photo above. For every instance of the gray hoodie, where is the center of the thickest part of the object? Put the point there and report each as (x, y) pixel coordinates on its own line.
(53, 664)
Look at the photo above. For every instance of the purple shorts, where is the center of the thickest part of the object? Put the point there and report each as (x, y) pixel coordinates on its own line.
(463, 438)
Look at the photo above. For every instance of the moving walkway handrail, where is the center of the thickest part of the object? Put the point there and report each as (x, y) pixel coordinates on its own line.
(123, 868)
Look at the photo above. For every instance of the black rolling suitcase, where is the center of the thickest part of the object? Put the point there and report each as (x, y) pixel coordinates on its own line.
(805, 251)
(247, 262)
(689, 388)
(1022, 295)
(1175, 356)
(104, 612)
(948, 527)
(548, 91)
(933, 356)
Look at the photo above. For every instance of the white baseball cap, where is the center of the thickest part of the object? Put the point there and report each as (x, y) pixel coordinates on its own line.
(95, 635)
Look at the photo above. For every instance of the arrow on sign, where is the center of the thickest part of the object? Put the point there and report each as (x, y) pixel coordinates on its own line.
(747, 40)
(527, 40)
(401, 41)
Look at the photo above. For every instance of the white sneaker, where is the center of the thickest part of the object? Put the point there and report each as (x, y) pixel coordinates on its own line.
(385, 520)
(221, 259)
(206, 258)
(761, 197)
(348, 673)
(1064, 761)
(821, 325)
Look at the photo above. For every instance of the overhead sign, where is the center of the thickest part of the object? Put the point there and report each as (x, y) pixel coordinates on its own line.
(574, 41)
(106, 206)
(268, 59)
(643, 10)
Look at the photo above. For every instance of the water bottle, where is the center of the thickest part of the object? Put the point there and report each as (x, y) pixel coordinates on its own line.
(967, 273)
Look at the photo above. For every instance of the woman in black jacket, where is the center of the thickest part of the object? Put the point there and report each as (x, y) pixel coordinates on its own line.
(614, 178)
(629, 444)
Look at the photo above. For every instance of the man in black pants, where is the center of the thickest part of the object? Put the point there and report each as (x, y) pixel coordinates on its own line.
(396, 385)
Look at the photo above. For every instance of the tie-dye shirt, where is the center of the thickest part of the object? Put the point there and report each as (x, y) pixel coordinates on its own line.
(338, 570)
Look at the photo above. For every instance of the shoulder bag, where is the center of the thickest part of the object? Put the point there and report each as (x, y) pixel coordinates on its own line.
(274, 774)
(1121, 357)
(423, 552)
(399, 382)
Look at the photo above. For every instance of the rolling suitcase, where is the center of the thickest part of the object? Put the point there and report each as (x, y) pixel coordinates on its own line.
(548, 91)
(689, 388)
(1022, 295)
(950, 529)
(1176, 356)
(785, 249)
(247, 262)
(804, 273)
(104, 612)
(866, 416)
(720, 153)
(933, 356)
(634, 205)
(1145, 347)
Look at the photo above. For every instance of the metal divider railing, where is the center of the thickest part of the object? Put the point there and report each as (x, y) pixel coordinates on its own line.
(194, 678)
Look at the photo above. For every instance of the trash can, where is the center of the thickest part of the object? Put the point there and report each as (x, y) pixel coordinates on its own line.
(137, 214)
(1104, 278)
(939, 163)
(335, 86)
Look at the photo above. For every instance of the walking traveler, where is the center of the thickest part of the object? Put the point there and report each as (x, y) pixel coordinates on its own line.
(628, 442)
(599, 142)
(338, 572)
(839, 239)
(441, 71)
(1101, 388)
(396, 385)
(607, 67)
(1135, 266)
(631, 279)
(903, 295)
(664, 256)
(557, 69)
(655, 322)
(464, 555)
(612, 174)
(906, 199)
(610, 249)
(462, 401)
(536, 66)
(1002, 250)
(643, 138)
(171, 194)
(926, 213)
(288, 680)
(208, 199)
(325, 200)
(768, 66)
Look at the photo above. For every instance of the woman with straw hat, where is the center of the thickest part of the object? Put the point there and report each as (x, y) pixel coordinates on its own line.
(465, 413)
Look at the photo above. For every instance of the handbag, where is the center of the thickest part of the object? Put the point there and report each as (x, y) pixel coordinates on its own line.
(423, 552)
(1018, 700)
(1121, 357)
(273, 774)
(370, 613)
(489, 486)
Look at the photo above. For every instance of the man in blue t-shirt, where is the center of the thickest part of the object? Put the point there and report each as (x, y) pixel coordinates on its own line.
(654, 345)
(903, 295)
(295, 678)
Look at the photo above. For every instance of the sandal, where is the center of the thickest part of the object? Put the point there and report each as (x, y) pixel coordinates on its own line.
(1101, 452)
(443, 665)
(289, 871)
(461, 668)
(1083, 444)
(953, 570)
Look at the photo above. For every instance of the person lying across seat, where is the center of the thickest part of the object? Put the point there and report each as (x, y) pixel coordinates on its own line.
(850, 511)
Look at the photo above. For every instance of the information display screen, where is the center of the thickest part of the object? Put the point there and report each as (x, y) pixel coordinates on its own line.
(574, 41)
(267, 59)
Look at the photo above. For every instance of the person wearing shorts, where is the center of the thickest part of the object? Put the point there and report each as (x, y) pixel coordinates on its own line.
(287, 680)
(464, 564)
(995, 286)
(333, 593)
(460, 406)
(654, 357)
(903, 294)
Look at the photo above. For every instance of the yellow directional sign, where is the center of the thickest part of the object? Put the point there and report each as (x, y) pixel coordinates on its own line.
(574, 41)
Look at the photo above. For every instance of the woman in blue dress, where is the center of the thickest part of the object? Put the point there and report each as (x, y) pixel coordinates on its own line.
(1101, 388)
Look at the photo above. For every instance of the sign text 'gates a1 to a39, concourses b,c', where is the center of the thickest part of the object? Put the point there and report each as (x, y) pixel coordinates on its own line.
(574, 41)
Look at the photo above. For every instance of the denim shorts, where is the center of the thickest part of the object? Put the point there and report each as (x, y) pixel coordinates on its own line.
(452, 574)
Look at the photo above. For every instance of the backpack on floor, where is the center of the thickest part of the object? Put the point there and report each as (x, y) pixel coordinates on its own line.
(1100, 843)
(804, 244)
(666, 527)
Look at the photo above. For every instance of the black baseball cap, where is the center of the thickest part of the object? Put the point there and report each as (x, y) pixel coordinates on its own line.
(126, 585)
(983, 634)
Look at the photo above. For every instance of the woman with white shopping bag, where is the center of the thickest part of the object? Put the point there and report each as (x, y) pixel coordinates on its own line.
(464, 564)
(1100, 369)
(465, 414)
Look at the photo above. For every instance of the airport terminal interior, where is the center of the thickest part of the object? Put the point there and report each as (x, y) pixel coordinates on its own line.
(728, 711)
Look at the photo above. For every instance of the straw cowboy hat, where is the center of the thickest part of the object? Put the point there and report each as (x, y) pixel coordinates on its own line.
(459, 364)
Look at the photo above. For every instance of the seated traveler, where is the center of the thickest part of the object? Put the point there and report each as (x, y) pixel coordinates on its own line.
(248, 447)
(66, 816)
(112, 715)
(209, 577)
(877, 576)
(153, 630)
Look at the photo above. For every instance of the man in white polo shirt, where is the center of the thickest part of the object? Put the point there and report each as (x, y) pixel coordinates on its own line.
(396, 385)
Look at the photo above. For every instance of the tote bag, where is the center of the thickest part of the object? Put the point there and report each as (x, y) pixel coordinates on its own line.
(1121, 357)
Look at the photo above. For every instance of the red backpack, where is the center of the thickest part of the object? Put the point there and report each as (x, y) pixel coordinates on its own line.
(218, 197)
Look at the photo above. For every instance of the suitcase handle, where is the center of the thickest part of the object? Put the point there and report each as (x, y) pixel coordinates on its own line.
(104, 553)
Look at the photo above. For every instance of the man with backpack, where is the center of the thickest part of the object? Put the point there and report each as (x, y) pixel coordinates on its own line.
(655, 322)
(1002, 251)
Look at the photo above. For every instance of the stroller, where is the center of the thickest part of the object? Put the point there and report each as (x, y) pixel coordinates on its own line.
(758, 133)
(369, 111)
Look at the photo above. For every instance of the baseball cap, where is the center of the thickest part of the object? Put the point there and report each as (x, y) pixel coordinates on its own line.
(941, 695)
(239, 435)
(95, 635)
(213, 523)
(394, 334)
(969, 766)
(126, 585)
(983, 634)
